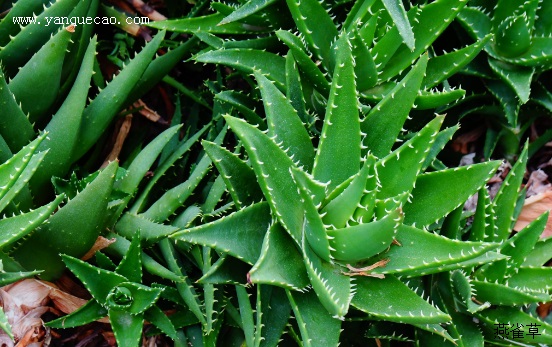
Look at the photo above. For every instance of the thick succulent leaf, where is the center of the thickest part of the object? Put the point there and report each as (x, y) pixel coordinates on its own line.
(483, 226)
(365, 67)
(396, 10)
(315, 25)
(416, 243)
(340, 136)
(209, 24)
(239, 234)
(63, 129)
(143, 162)
(246, 315)
(284, 125)
(519, 78)
(406, 161)
(438, 193)
(280, 263)
(161, 169)
(34, 35)
(120, 247)
(237, 175)
(9, 26)
(12, 169)
(13, 117)
(150, 231)
(464, 292)
(428, 24)
(16, 227)
(531, 278)
(438, 98)
(249, 61)
(294, 89)
(511, 316)
(516, 248)
(98, 282)
(512, 36)
(505, 200)
(185, 288)
(341, 208)
(155, 316)
(538, 55)
(507, 99)
(485, 258)
(333, 289)
(541, 254)
(499, 294)
(275, 309)
(11, 277)
(19, 192)
(384, 122)
(244, 104)
(441, 67)
(437, 330)
(226, 270)
(175, 197)
(130, 266)
(249, 8)
(72, 230)
(272, 167)
(134, 298)
(307, 66)
(391, 300)
(126, 327)
(360, 242)
(317, 326)
(313, 226)
(99, 113)
(89, 312)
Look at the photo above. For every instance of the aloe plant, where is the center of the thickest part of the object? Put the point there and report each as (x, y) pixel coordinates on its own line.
(516, 56)
(322, 217)
(343, 231)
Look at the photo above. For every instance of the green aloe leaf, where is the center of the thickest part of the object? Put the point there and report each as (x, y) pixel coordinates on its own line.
(276, 181)
(313, 226)
(396, 10)
(406, 161)
(384, 122)
(89, 275)
(284, 125)
(316, 325)
(209, 23)
(249, 61)
(363, 241)
(342, 204)
(391, 300)
(305, 63)
(505, 200)
(16, 227)
(280, 263)
(237, 175)
(315, 25)
(499, 294)
(85, 314)
(415, 243)
(72, 230)
(333, 289)
(126, 327)
(239, 234)
(438, 193)
(340, 136)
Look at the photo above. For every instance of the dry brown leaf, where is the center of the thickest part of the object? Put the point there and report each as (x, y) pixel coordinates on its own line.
(101, 243)
(533, 207)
